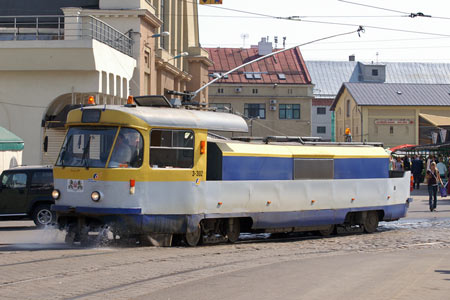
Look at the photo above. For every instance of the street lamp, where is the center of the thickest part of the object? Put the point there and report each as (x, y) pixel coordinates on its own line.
(162, 34)
(183, 54)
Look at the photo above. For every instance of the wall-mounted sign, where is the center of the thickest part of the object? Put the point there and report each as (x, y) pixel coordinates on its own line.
(393, 122)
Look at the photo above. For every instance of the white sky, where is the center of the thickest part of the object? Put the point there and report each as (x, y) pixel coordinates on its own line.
(223, 28)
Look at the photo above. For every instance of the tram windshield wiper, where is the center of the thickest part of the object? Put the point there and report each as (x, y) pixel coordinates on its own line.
(84, 160)
(64, 150)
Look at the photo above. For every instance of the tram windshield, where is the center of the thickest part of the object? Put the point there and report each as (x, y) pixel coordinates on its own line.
(90, 147)
(87, 147)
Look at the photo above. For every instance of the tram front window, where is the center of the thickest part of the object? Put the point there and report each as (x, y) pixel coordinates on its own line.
(128, 150)
(87, 147)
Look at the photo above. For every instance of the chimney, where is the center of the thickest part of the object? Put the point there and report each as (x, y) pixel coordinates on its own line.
(264, 47)
(351, 57)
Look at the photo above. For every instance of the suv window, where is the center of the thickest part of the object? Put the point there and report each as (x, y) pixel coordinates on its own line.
(14, 180)
(42, 180)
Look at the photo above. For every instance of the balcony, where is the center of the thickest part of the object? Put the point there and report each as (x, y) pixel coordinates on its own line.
(67, 27)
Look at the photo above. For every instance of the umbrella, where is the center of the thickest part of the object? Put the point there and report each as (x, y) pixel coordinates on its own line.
(401, 147)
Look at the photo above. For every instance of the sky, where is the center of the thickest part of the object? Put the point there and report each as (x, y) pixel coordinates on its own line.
(386, 37)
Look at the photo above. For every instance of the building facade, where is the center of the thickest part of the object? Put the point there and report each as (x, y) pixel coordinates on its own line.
(328, 77)
(106, 49)
(274, 95)
(389, 113)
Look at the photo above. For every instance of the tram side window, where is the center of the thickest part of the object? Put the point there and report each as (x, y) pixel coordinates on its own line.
(171, 148)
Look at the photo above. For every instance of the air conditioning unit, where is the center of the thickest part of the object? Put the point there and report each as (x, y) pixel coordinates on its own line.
(273, 107)
(238, 89)
(273, 101)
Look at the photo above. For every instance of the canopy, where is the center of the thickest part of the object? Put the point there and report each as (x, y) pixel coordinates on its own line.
(401, 147)
(9, 141)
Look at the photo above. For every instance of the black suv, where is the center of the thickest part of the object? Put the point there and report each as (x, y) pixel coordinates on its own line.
(26, 193)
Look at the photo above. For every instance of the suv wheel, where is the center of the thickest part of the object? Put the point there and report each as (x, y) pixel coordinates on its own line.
(42, 215)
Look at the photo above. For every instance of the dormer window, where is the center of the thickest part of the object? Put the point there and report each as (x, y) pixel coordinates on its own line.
(374, 72)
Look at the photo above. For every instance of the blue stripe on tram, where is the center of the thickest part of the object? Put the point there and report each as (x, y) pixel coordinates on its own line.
(352, 168)
(256, 168)
(281, 168)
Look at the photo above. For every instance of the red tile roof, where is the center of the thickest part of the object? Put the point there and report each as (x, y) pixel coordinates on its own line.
(290, 63)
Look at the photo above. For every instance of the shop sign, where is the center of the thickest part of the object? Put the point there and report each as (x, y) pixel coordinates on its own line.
(393, 122)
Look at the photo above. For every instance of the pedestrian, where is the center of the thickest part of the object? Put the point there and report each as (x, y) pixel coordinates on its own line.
(399, 164)
(416, 169)
(442, 168)
(433, 178)
(407, 163)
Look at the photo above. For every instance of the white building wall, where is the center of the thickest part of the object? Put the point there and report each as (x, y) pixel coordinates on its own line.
(10, 159)
(34, 73)
(319, 120)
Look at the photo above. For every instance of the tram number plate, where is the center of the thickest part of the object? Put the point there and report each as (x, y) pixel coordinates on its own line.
(197, 173)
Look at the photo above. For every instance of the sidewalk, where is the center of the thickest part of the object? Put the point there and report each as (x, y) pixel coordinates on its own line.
(419, 208)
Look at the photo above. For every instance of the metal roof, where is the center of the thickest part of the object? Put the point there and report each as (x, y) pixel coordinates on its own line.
(182, 118)
(396, 94)
(290, 63)
(328, 76)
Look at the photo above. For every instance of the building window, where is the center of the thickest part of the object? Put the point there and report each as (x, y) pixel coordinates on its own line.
(281, 76)
(252, 110)
(289, 91)
(220, 91)
(171, 148)
(147, 59)
(221, 107)
(348, 108)
(254, 91)
(289, 111)
(321, 129)
(321, 110)
(374, 72)
(391, 129)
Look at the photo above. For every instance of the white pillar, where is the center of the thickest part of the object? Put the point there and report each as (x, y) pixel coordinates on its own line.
(72, 23)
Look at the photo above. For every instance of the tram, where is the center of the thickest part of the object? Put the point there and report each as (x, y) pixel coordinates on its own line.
(153, 171)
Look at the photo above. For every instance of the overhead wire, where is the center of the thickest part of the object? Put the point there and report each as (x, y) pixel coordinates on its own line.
(297, 18)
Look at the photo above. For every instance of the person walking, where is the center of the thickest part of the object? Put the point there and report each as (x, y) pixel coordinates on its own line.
(442, 168)
(416, 169)
(399, 164)
(433, 178)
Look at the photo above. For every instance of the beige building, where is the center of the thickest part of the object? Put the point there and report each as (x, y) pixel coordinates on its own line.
(274, 95)
(388, 112)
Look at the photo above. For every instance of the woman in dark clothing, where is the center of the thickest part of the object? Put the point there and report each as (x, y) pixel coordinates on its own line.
(433, 178)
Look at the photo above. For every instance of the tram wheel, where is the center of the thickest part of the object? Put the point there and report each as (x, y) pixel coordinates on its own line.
(371, 222)
(192, 239)
(329, 231)
(233, 230)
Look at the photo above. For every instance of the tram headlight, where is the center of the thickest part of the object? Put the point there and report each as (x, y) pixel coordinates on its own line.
(95, 196)
(56, 194)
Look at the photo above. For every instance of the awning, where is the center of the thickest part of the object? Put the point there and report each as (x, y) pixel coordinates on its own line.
(9, 141)
(403, 147)
(436, 120)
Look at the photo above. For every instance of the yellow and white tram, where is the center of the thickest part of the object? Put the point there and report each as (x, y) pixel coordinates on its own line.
(155, 172)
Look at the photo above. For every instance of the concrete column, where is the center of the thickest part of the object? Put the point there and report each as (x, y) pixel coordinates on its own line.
(72, 23)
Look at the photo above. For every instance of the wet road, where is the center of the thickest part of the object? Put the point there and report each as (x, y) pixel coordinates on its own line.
(408, 259)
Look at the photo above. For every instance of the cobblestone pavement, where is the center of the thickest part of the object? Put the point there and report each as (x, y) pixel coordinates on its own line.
(35, 264)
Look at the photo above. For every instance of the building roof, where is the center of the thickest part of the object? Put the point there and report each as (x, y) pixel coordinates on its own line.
(436, 120)
(396, 94)
(290, 63)
(9, 141)
(328, 76)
